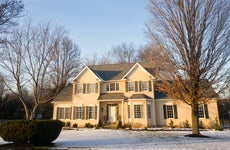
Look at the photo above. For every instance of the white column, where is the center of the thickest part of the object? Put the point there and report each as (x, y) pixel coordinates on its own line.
(98, 112)
(122, 112)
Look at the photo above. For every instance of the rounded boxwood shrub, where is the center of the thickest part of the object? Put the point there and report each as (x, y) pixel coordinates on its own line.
(14, 131)
(37, 132)
(44, 131)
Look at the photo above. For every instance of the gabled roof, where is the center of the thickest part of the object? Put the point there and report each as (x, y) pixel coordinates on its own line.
(119, 71)
(160, 95)
(65, 94)
(87, 68)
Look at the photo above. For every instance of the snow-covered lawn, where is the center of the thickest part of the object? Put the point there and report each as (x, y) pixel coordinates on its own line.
(127, 139)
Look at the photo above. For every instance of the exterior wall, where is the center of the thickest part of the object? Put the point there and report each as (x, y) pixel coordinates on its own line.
(184, 113)
(138, 74)
(86, 99)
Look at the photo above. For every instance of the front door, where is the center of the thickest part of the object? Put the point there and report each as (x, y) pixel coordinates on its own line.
(112, 114)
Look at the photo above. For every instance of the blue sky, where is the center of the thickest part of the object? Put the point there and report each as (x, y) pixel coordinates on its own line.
(94, 25)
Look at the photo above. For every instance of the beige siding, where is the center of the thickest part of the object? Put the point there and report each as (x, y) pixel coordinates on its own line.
(184, 113)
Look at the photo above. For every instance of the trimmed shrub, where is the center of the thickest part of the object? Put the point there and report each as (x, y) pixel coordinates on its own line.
(215, 125)
(15, 131)
(88, 125)
(75, 125)
(186, 124)
(37, 132)
(44, 131)
(201, 125)
(171, 124)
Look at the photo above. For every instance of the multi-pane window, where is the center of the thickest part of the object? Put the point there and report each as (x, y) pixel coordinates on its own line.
(203, 111)
(91, 88)
(79, 88)
(90, 112)
(64, 112)
(144, 86)
(149, 112)
(78, 113)
(170, 111)
(138, 111)
(131, 86)
(112, 87)
(129, 115)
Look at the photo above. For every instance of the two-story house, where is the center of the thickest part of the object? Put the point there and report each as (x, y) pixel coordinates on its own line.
(123, 92)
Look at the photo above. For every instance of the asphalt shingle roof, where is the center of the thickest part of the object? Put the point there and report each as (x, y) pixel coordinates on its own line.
(118, 71)
(65, 95)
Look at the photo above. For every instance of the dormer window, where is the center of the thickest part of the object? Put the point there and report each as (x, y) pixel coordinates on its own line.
(112, 87)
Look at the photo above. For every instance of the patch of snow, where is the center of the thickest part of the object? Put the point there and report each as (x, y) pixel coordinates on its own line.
(128, 139)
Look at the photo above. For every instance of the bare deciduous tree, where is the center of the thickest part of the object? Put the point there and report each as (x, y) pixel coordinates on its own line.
(193, 37)
(9, 11)
(65, 63)
(32, 60)
(124, 53)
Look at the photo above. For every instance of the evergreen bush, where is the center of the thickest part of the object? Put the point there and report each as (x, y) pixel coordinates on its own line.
(186, 124)
(37, 132)
(75, 125)
(15, 131)
(201, 125)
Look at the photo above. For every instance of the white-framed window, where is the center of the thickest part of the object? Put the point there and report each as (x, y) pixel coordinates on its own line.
(203, 111)
(131, 86)
(143, 86)
(78, 88)
(64, 112)
(91, 88)
(138, 111)
(149, 111)
(170, 111)
(111, 87)
(78, 113)
(90, 112)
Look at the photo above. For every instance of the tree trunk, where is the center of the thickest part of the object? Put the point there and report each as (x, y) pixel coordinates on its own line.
(195, 119)
(33, 112)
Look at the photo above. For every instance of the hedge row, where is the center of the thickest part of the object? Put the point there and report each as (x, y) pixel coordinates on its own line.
(38, 132)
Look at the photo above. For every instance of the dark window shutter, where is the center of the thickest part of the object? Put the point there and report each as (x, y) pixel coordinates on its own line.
(140, 86)
(86, 112)
(150, 86)
(70, 113)
(206, 111)
(95, 112)
(74, 113)
(165, 113)
(126, 85)
(96, 88)
(58, 110)
(136, 86)
(87, 88)
(175, 111)
(84, 88)
(83, 112)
